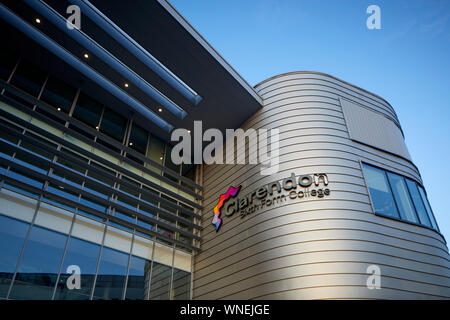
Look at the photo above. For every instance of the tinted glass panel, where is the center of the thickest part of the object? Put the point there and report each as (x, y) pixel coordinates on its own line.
(111, 275)
(87, 110)
(113, 124)
(12, 236)
(181, 285)
(7, 62)
(160, 284)
(156, 152)
(188, 171)
(380, 192)
(29, 77)
(58, 94)
(39, 267)
(138, 279)
(169, 164)
(84, 255)
(138, 139)
(428, 207)
(418, 204)
(402, 198)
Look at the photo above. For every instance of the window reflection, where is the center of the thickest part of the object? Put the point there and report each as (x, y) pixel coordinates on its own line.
(181, 285)
(410, 198)
(111, 275)
(84, 255)
(12, 236)
(428, 207)
(401, 195)
(160, 284)
(380, 193)
(39, 267)
(138, 279)
(418, 204)
(58, 94)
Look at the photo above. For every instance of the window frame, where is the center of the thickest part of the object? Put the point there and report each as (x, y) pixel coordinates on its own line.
(395, 200)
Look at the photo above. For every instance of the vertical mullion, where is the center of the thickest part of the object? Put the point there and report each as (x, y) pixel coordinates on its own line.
(63, 257)
(392, 194)
(412, 201)
(98, 261)
(171, 274)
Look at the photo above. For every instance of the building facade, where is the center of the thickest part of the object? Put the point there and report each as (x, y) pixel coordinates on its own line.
(92, 206)
(320, 247)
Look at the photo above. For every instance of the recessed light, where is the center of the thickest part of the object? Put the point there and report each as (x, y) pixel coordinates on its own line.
(86, 56)
(38, 20)
(126, 85)
(159, 109)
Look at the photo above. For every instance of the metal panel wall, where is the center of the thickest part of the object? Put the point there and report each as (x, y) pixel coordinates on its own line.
(315, 248)
(374, 129)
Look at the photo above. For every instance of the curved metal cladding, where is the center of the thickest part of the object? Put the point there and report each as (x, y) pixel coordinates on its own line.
(316, 248)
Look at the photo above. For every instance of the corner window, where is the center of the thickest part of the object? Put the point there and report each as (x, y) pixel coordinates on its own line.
(418, 203)
(428, 207)
(397, 197)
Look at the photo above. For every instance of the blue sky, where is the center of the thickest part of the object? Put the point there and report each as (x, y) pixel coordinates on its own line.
(407, 62)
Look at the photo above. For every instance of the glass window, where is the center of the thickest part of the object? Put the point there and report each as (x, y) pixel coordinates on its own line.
(12, 236)
(7, 62)
(29, 77)
(381, 195)
(40, 264)
(169, 164)
(428, 207)
(11, 137)
(111, 275)
(160, 283)
(156, 152)
(402, 198)
(67, 178)
(32, 146)
(70, 164)
(138, 279)
(113, 124)
(181, 285)
(188, 171)
(29, 161)
(83, 255)
(58, 94)
(418, 204)
(87, 110)
(104, 175)
(22, 175)
(138, 139)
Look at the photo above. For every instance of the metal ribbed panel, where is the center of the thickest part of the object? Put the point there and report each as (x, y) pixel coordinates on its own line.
(315, 248)
(374, 129)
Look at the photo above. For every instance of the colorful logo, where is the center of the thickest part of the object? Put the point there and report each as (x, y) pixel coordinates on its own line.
(232, 192)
